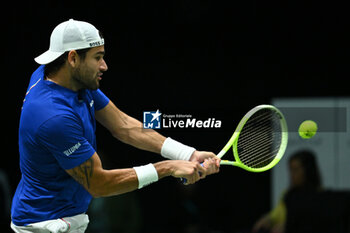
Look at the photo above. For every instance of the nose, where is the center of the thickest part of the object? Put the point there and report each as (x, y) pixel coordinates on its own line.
(103, 66)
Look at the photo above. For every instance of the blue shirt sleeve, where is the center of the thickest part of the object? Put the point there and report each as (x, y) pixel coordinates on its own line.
(62, 136)
(100, 99)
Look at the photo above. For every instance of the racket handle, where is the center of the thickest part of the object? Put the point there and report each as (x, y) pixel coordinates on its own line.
(184, 180)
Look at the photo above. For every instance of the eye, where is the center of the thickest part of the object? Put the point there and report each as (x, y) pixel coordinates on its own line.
(98, 58)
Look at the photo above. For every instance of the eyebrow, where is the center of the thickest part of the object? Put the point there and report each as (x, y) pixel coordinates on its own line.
(100, 53)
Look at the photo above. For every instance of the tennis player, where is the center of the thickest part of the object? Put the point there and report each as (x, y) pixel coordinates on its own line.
(61, 170)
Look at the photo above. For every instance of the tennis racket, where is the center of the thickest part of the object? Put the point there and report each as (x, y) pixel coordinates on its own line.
(259, 140)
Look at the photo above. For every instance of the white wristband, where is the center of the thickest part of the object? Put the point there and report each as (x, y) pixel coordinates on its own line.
(172, 149)
(146, 175)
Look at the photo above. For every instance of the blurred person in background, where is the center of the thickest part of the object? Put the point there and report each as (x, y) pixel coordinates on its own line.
(304, 178)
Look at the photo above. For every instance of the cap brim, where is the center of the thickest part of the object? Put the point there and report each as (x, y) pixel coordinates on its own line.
(47, 57)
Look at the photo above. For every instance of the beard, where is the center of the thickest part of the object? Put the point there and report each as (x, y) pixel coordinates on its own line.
(86, 78)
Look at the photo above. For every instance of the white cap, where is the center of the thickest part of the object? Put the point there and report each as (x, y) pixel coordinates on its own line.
(70, 35)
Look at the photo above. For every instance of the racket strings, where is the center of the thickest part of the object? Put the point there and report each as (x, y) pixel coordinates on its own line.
(264, 158)
(260, 138)
(263, 154)
(261, 158)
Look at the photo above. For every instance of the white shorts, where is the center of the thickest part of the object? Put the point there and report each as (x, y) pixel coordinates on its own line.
(74, 224)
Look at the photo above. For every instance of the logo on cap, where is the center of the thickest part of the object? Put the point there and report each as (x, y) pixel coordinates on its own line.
(96, 43)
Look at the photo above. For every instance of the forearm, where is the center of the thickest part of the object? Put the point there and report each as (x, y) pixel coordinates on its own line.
(114, 182)
(134, 134)
(129, 130)
(100, 182)
(150, 140)
(119, 181)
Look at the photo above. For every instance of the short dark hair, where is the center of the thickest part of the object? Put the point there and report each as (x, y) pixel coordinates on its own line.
(54, 66)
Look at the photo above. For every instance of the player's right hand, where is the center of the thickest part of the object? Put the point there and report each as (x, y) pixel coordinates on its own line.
(211, 165)
(191, 171)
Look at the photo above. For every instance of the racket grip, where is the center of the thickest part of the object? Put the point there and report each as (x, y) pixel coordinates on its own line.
(184, 180)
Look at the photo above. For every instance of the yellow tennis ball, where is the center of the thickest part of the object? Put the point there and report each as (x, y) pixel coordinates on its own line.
(307, 129)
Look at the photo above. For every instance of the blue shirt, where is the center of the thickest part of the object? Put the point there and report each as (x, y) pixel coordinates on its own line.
(56, 132)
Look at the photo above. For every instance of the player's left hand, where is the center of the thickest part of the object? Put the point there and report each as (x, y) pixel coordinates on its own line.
(211, 163)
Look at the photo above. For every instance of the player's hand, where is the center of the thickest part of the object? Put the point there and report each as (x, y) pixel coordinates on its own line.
(210, 162)
(211, 166)
(191, 171)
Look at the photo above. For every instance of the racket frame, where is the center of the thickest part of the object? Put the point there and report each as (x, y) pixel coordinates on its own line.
(234, 139)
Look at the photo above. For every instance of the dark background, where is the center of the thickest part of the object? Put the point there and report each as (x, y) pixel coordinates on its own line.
(204, 58)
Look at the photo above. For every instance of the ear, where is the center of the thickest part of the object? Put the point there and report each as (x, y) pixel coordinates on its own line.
(73, 58)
